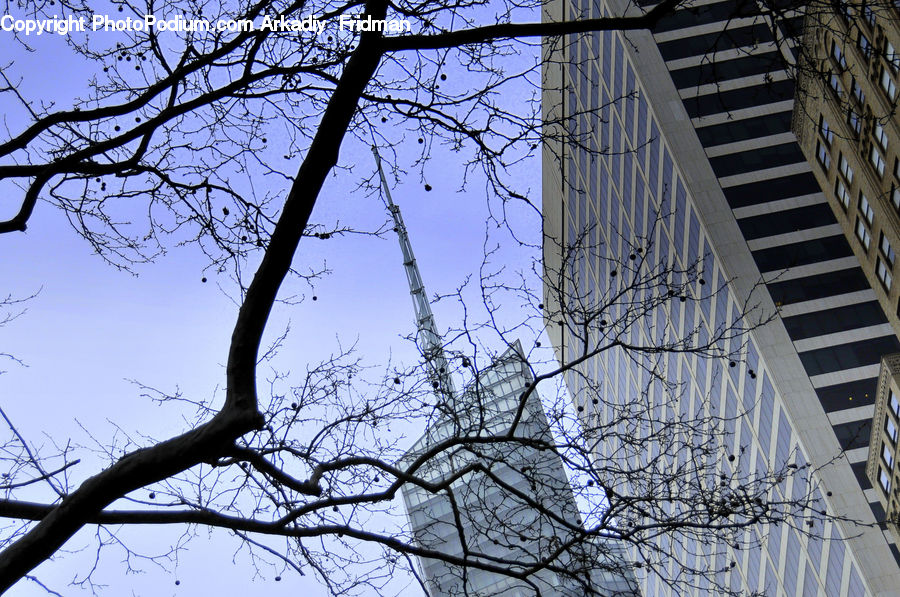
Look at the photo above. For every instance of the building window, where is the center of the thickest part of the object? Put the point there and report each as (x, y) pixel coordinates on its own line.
(892, 57)
(846, 11)
(887, 250)
(884, 480)
(854, 121)
(877, 161)
(822, 155)
(869, 16)
(838, 55)
(887, 455)
(858, 92)
(894, 403)
(845, 169)
(825, 131)
(835, 83)
(863, 234)
(865, 46)
(843, 195)
(884, 273)
(881, 136)
(887, 83)
(866, 209)
(891, 431)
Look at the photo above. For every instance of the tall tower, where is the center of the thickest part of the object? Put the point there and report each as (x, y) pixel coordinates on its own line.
(705, 131)
(490, 518)
(431, 344)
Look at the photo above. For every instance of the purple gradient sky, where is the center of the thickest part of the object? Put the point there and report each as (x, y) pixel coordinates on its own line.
(92, 328)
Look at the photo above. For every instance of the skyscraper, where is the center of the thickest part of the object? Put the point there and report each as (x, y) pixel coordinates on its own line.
(695, 120)
(505, 520)
(491, 515)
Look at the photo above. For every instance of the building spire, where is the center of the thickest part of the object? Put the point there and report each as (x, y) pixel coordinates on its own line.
(429, 339)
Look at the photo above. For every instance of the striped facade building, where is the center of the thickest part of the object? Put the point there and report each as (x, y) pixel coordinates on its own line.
(695, 121)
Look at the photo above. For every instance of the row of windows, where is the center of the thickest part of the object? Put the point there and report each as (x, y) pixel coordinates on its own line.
(705, 14)
(892, 65)
(818, 286)
(738, 99)
(789, 220)
(801, 253)
(745, 128)
(717, 71)
(863, 224)
(685, 230)
(834, 358)
(849, 394)
(866, 214)
(853, 435)
(848, 356)
(878, 149)
(710, 43)
(770, 156)
(618, 375)
(774, 189)
(889, 448)
(891, 56)
(831, 321)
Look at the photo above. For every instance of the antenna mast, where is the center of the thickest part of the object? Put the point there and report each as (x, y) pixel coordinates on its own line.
(436, 361)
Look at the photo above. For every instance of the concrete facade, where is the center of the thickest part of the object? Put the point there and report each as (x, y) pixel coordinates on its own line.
(845, 120)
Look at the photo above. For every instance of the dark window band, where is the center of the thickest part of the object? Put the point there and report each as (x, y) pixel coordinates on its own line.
(723, 70)
(745, 128)
(848, 395)
(709, 43)
(818, 286)
(757, 159)
(848, 356)
(738, 99)
(854, 434)
(788, 220)
(775, 189)
(702, 15)
(802, 253)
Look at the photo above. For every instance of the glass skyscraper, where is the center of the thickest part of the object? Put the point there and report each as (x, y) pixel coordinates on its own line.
(491, 517)
(694, 121)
